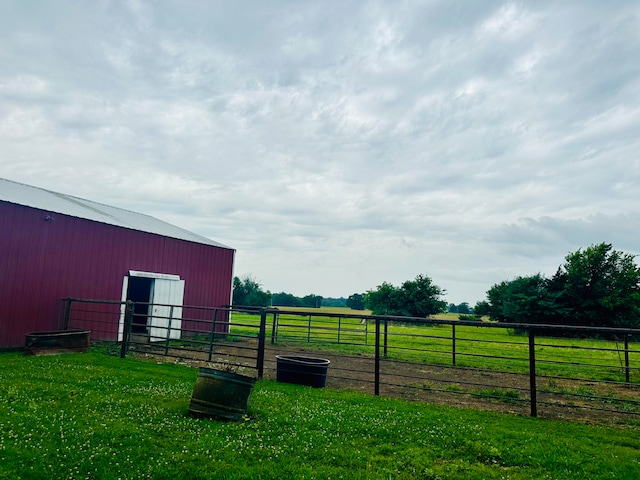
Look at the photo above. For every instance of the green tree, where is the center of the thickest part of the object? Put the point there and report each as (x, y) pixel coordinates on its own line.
(601, 287)
(452, 308)
(248, 292)
(283, 299)
(482, 308)
(334, 302)
(597, 286)
(523, 300)
(464, 308)
(384, 300)
(421, 297)
(312, 301)
(416, 298)
(356, 301)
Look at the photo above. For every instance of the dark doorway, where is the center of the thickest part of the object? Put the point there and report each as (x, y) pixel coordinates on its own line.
(139, 292)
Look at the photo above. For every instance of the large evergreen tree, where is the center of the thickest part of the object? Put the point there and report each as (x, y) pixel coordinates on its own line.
(597, 286)
(523, 300)
(601, 287)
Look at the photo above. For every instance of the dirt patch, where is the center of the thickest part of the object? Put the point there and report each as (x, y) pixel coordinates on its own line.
(567, 399)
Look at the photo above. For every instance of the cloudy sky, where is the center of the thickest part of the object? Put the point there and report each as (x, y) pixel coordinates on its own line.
(339, 144)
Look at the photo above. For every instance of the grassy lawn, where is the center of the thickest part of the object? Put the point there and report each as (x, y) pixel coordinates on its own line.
(97, 416)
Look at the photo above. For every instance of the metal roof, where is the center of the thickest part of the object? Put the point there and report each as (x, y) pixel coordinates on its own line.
(34, 197)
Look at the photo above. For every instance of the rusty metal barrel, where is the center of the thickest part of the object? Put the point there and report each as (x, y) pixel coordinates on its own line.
(221, 394)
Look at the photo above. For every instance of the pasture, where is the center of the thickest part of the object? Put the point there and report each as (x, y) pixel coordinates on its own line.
(466, 346)
(97, 416)
(450, 362)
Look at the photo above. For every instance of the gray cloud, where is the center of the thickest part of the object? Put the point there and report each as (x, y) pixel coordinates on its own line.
(338, 145)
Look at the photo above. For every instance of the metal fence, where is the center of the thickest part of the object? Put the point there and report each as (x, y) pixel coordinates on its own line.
(188, 333)
(507, 367)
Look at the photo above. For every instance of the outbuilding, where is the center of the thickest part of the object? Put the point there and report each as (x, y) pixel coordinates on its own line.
(55, 246)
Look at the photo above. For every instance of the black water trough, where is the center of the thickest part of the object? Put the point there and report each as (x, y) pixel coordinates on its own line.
(308, 371)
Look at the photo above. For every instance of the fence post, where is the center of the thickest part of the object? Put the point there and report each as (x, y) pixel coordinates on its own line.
(366, 332)
(626, 359)
(339, 327)
(67, 313)
(386, 336)
(166, 345)
(377, 360)
(309, 331)
(274, 328)
(212, 337)
(453, 345)
(126, 329)
(532, 374)
(261, 342)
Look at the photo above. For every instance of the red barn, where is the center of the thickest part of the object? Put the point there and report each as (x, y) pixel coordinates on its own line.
(54, 246)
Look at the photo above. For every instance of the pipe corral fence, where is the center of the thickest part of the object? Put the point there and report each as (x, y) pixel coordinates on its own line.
(522, 368)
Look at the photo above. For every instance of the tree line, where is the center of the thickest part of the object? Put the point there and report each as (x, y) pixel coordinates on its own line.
(596, 286)
(247, 291)
(416, 298)
(463, 308)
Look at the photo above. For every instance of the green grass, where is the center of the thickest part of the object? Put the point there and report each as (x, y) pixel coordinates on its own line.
(506, 396)
(350, 311)
(476, 347)
(97, 416)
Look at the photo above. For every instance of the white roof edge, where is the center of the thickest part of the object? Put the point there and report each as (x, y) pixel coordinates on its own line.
(164, 276)
(54, 202)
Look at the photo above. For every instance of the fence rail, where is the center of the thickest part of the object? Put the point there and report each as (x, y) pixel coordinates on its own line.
(529, 367)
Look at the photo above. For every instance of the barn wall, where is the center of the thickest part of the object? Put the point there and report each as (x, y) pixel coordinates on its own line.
(45, 257)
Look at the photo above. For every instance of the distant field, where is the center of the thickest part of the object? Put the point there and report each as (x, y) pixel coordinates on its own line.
(445, 316)
(343, 310)
(349, 311)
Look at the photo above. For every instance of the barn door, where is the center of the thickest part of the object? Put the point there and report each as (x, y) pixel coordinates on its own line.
(139, 287)
(166, 305)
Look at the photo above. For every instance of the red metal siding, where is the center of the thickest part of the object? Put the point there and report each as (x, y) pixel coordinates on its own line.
(43, 261)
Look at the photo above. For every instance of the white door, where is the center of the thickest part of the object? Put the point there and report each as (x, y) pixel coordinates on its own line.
(166, 302)
(125, 286)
